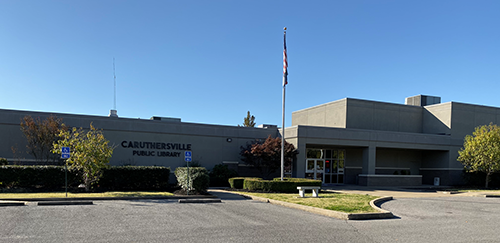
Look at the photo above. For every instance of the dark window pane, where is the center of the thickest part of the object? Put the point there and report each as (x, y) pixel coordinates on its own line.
(327, 178)
(341, 154)
(328, 154)
(334, 154)
(328, 166)
(314, 153)
(310, 165)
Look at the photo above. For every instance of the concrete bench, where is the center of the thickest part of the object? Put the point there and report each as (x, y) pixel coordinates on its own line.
(315, 190)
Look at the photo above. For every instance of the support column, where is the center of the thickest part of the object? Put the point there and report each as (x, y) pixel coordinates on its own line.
(369, 159)
(300, 166)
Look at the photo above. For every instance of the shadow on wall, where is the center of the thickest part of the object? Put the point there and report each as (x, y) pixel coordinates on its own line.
(433, 125)
(250, 171)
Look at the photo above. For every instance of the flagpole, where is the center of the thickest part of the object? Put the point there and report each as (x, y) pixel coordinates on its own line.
(283, 134)
(285, 81)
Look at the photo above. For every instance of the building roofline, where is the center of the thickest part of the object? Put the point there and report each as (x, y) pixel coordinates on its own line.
(356, 99)
(121, 119)
(335, 101)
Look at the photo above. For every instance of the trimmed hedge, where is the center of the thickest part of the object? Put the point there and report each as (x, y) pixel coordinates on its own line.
(135, 178)
(237, 182)
(199, 179)
(50, 178)
(35, 177)
(275, 185)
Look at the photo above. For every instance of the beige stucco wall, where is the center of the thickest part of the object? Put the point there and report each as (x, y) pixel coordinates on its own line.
(332, 114)
(208, 143)
(437, 119)
(465, 117)
(372, 115)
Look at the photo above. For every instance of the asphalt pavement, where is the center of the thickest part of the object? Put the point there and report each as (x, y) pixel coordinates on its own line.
(235, 219)
(436, 219)
(420, 216)
(404, 192)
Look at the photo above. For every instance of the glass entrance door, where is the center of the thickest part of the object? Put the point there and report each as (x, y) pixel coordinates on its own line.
(326, 165)
(334, 166)
(315, 169)
(340, 172)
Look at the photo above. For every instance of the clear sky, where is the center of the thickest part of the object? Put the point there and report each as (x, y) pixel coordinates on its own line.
(212, 61)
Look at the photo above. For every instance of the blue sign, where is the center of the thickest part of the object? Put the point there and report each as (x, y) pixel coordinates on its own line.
(187, 156)
(65, 153)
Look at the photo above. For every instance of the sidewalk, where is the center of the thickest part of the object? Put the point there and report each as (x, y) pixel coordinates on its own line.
(402, 192)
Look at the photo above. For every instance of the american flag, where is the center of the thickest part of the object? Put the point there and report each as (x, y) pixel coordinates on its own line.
(285, 62)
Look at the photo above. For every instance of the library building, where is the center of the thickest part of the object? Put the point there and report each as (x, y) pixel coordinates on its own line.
(348, 141)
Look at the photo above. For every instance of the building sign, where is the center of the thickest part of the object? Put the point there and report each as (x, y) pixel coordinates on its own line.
(157, 149)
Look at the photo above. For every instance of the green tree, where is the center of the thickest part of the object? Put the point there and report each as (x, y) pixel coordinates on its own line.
(40, 135)
(90, 152)
(249, 121)
(481, 151)
(266, 156)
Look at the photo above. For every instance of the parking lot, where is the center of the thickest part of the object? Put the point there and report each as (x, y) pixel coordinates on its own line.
(440, 219)
(236, 219)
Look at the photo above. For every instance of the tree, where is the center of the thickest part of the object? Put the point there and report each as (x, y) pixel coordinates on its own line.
(40, 136)
(90, 152)
(266, 156)
(249, 121)
(481, 151)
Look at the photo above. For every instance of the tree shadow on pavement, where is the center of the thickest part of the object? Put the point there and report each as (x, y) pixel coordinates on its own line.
(228, 196)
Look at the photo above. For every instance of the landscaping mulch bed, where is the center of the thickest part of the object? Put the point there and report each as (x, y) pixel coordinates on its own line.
(182, 192)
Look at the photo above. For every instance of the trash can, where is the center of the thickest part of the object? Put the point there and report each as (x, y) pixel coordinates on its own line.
(436, 181)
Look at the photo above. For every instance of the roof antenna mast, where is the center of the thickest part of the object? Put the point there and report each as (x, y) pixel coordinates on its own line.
(114, 112)
(114, 79)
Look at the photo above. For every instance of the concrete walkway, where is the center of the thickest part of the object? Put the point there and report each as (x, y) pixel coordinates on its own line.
(401, 192)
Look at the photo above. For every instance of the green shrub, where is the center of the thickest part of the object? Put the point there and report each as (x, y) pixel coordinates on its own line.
(132, 178)
(276, 185)
(36, 177)
(220, 174)
(50, 178)
(3, 161)
(236, 182)
(198, 178)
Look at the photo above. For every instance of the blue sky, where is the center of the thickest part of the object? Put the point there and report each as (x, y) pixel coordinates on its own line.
(212, 61)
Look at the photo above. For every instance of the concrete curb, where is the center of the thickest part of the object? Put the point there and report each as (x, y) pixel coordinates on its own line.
(106, 198)
(210, 200)
(64, 203)
(383, 214)
(448, 192)
(9, 204)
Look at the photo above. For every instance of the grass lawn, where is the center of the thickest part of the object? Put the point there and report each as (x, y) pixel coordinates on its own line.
(347, 203)
(77, 195)
(495, 191)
